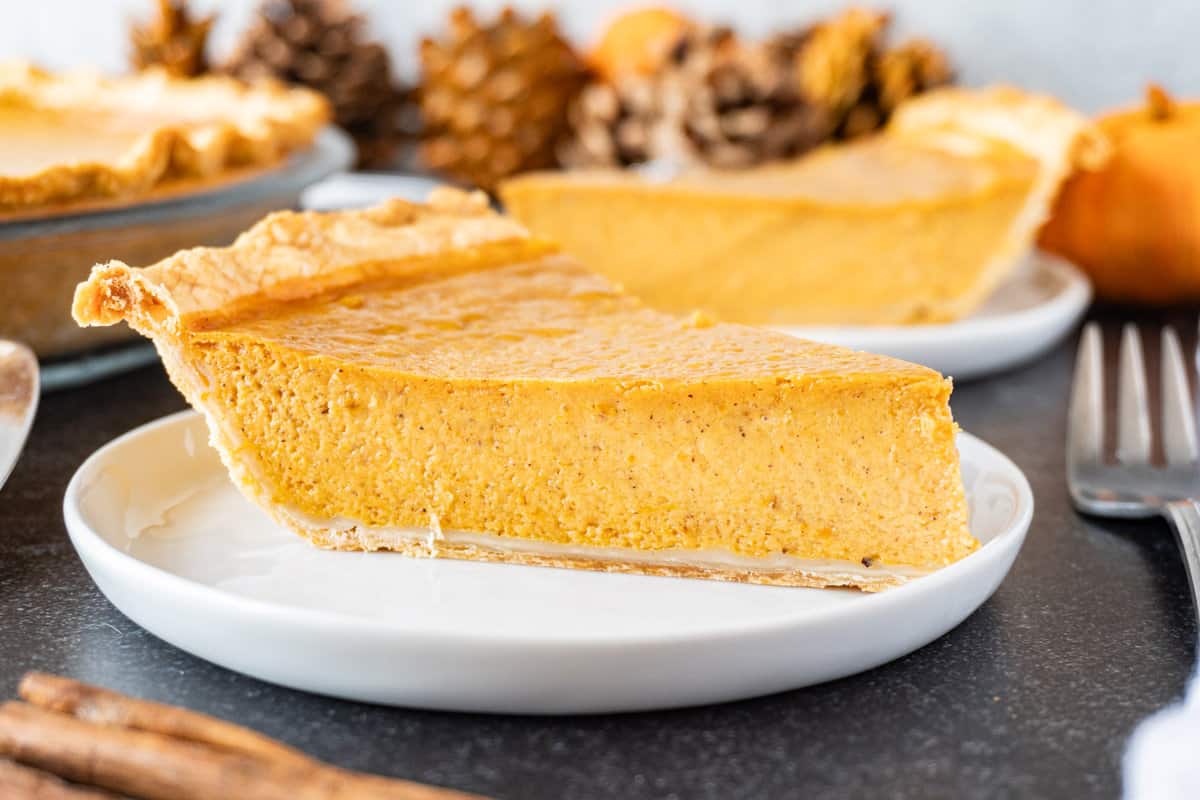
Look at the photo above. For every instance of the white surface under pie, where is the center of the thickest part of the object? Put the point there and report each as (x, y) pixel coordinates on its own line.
(180, 552)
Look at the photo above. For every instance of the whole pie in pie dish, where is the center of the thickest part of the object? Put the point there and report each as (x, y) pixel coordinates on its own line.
(101, 148)
(78, 137)
(917, 224)
(433, 380)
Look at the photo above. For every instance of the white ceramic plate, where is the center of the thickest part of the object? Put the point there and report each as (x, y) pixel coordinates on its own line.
(1023, 319)
(180, 552)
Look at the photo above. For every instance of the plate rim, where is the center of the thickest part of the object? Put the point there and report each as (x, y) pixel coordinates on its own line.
(323, 622)
(1073, 298)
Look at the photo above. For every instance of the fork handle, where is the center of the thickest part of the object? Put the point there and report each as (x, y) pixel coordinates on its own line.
(1184, 516)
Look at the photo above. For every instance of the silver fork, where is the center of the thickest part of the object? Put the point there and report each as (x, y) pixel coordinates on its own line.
(1133, 487)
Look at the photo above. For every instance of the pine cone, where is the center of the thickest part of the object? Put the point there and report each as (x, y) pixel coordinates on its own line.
(910, 69)
(724, 103)
(835, 58)
(494, 97)
(739, 105)
(612, 125)
(173, 40)
(715, 102)
(842, 64)
(320, 44)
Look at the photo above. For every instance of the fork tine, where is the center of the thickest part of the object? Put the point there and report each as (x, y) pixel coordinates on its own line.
(1085, 424)
(1133, 411)
(1178, 425)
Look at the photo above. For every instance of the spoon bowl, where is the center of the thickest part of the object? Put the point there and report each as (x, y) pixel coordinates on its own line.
(20, 387)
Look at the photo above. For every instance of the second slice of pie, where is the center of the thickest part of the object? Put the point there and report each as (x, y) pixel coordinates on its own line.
(432, 380)
(917, 224)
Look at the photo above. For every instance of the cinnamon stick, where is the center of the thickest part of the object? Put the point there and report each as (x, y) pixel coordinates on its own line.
(18, 782)
(106, 707)
(155, 766)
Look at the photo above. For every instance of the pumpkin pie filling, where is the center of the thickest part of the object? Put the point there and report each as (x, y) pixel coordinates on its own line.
(434, 381)
(35, 141)
(78, 137)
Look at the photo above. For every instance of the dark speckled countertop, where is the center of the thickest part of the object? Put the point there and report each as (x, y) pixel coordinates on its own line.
(1033, 696)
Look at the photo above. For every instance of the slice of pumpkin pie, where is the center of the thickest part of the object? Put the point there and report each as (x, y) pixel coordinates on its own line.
(917, 224)
(432, 380)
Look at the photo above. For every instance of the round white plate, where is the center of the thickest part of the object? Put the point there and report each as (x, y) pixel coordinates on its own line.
(1023, 319)
(180, 552)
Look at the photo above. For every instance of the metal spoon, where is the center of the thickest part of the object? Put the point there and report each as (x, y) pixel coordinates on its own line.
(19, 391)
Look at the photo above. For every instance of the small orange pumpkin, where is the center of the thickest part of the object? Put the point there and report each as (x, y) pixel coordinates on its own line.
(1134, 225)
(636, 41)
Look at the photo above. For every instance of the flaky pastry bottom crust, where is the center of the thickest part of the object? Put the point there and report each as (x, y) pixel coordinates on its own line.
(846, 576)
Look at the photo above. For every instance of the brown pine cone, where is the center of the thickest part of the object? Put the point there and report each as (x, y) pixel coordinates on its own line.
(172, 39)
(842, 64)
(835, 58)
(718, 101)
(910, 69)
(715, 101)
(612, 125)
(495, 96)
(322, 45)
(739, 105)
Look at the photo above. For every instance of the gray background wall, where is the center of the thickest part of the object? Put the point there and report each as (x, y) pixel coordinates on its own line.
(1093, 53)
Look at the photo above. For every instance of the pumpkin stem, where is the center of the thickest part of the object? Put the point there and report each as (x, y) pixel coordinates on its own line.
(1160, 104)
